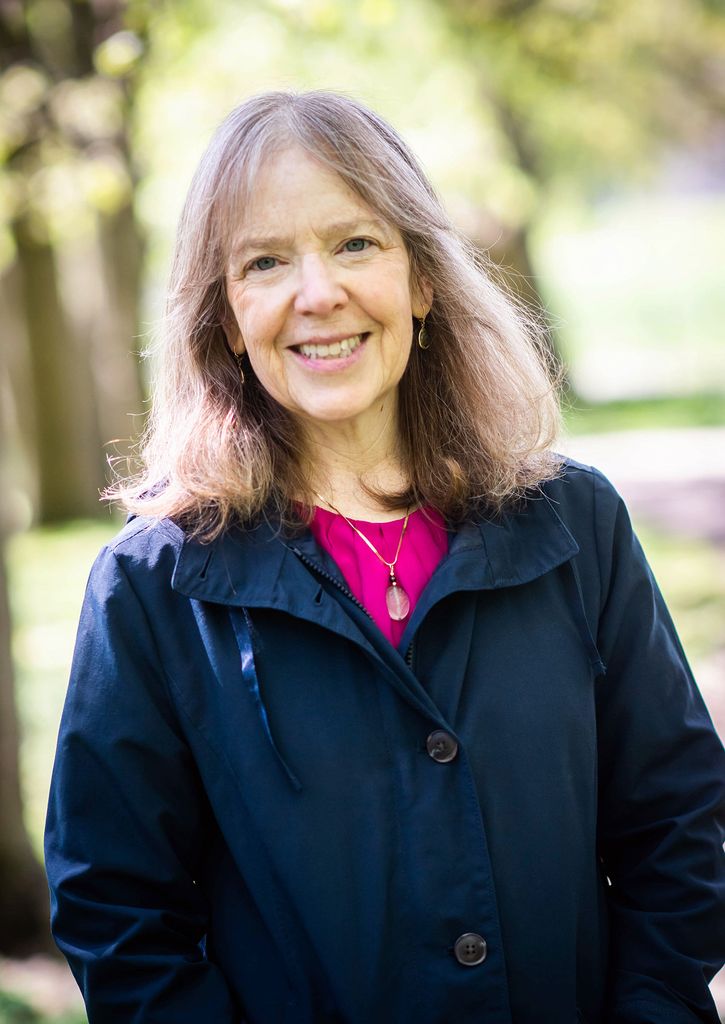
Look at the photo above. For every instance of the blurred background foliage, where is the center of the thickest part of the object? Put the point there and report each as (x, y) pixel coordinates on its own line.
(581, 143)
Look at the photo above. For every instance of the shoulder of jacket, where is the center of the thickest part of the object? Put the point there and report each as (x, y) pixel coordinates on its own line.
(578, 473)
(141, 532)
(579, 482)
(587, 503)
(145, 545)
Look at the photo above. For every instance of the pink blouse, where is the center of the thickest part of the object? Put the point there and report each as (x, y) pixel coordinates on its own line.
(424, 545)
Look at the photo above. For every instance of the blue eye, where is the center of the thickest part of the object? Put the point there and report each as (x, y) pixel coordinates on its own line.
(264, 263)
(356, 245)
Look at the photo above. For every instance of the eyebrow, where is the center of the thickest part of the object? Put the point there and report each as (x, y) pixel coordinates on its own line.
(336, 228)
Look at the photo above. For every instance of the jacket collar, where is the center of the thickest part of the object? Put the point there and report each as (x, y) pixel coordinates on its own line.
(261, 568)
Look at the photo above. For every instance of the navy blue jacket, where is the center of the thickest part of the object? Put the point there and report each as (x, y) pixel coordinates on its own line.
(250, 822)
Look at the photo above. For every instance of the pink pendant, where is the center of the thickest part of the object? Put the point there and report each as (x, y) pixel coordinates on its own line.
(397, 602)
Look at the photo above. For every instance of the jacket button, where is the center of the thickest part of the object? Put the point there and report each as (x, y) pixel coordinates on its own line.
(470, 949)
(441, 746)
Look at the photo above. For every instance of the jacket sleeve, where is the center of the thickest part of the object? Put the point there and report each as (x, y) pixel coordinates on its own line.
(127, 820)
(661, 776)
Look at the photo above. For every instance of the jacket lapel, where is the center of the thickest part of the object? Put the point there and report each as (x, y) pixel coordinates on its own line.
(260, 568)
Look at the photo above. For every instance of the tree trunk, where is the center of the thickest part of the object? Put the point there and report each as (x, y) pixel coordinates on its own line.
(69, 448)
(24, 907)
(18, 471)
(117, 344)
(23, 892)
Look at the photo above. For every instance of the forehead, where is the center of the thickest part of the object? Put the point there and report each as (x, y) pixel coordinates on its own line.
(291, 191)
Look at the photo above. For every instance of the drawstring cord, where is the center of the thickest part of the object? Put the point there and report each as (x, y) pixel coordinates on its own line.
(576, 596)
(243, 629)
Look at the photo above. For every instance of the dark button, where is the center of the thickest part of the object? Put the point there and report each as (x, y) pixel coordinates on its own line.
(441, 746)
(470, 949)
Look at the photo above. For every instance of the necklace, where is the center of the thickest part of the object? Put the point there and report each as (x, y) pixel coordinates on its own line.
(396, 600)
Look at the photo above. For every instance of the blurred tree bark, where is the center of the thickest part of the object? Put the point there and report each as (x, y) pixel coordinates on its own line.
(23, 891)
(66, 94)
(24, 905)
(118, 383)
(67, 71)
(67, 442)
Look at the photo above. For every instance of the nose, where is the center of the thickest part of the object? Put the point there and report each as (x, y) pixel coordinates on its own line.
(319, 292)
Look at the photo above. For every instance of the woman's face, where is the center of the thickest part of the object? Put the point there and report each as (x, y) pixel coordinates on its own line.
(320, 290)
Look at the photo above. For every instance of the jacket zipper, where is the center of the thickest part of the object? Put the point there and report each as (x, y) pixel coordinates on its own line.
(328, 576)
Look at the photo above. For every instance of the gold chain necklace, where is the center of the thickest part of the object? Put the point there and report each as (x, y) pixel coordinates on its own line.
(396, 599)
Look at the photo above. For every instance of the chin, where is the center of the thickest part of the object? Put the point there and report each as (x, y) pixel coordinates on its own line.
(335, 414)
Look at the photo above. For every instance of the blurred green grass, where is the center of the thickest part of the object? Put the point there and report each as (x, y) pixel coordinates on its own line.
(14, 1010)
(47, 570)
(691, 574)
(664, 412)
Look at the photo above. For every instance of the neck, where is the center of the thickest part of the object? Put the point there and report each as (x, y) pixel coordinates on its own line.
(340, 461)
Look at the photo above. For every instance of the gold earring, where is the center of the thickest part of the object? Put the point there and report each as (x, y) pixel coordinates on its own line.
(238, 357)
(423, 341)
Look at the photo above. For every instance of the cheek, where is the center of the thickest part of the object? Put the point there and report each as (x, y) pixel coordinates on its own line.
(257, 327)
(404, 332)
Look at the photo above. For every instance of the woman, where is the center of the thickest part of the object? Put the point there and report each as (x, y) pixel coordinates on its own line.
(376, 713)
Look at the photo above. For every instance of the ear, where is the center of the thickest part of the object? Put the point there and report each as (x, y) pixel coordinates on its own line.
(233, 336)
(421, 294)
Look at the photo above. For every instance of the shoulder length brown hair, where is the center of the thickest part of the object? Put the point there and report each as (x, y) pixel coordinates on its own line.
(477, 409)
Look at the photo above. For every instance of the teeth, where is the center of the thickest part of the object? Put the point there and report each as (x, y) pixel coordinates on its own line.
(337, 348)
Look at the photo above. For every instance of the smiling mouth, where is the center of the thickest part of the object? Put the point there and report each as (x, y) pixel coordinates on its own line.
(335, 350)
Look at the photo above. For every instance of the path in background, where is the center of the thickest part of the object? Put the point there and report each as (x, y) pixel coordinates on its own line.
(674, 479)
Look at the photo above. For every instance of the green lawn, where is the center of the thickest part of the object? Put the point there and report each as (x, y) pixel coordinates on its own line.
(664, 412)
(14, 1010)
(48, 569)
(692, 578)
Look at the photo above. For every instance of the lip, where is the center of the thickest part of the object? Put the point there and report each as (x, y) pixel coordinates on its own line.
(330, 365)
